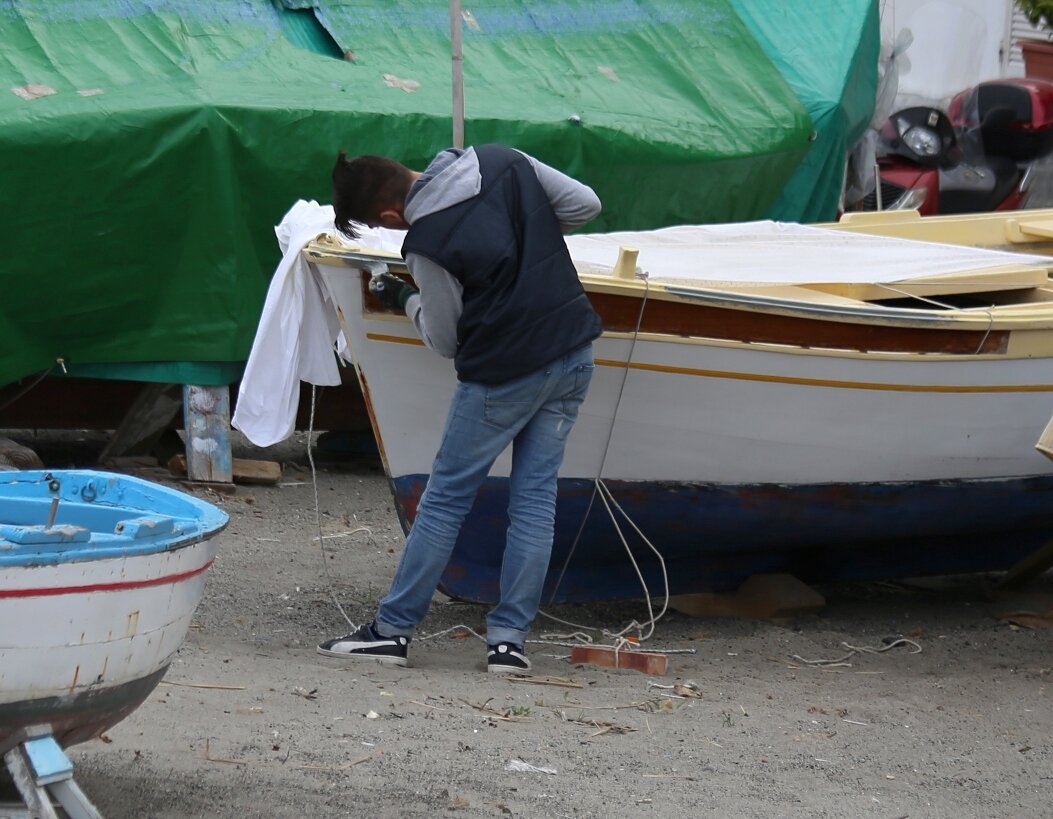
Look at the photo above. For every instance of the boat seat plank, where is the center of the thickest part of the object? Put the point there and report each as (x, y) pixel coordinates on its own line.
(1042, 228)
(790, 292)
(1000, 279)
(26, 535)
(1004, 277)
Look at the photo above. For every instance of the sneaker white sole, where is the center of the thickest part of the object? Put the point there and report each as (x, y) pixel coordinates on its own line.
(402, 662)
(507, 669)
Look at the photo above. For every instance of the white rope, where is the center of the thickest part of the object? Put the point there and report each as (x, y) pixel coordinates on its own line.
(458, 627)
(318, 515)
(988, 311)
(619, 636)
(603, 491)
(909, 295)
(318, 526)
(644, 630)
(607, 442)
(990, 325)
(842, 662)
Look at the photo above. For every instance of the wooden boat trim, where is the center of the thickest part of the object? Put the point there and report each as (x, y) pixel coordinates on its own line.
(685, 318)
(824, 382)
(675, 320)
(1028, 231)
(777, 379)
(819, 301)
(819, 304)
(834, 317)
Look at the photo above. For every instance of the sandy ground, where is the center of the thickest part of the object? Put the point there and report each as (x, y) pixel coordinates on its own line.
(251, 722)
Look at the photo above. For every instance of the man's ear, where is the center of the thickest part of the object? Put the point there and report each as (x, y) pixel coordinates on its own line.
(392, 217)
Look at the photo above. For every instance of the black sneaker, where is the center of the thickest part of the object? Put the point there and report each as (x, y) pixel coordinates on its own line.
(506, 658)
(367, 644)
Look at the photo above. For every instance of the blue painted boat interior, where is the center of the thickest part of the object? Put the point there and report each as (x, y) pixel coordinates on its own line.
(97, 515)
(715, 537)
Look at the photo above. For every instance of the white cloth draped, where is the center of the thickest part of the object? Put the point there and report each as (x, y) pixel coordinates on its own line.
(784, 253)
(298, 329)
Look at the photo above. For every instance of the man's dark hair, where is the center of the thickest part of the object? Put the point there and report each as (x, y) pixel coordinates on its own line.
(364, 186)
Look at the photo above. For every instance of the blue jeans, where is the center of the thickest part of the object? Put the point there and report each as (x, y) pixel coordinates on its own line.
(534, 413)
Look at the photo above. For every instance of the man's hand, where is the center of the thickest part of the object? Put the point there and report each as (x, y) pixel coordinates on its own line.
(391, 291)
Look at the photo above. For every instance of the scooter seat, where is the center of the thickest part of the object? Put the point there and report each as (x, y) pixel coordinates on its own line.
(974, 188)
(1007, 122)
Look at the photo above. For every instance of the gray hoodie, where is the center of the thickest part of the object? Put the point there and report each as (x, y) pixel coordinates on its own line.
(450, 178)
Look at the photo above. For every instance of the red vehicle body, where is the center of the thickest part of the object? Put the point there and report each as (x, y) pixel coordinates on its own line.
(982, 155)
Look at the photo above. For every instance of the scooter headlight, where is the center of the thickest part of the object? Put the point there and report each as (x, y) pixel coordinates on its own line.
(911, 199)
(922, 141)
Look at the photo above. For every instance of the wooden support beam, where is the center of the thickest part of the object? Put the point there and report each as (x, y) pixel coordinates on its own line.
(149, 415)
(206, 414)
(243, 470)
(761, 597)
(1029, 568)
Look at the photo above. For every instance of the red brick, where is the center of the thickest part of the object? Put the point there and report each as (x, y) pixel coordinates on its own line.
(647, 663)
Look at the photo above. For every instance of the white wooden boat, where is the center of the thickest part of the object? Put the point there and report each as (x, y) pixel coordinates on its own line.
(839, 405)
(100, 575)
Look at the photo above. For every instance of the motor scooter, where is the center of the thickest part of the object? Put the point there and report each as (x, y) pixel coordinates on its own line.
(988, 152)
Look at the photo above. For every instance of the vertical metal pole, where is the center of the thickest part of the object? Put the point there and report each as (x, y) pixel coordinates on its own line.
(458, 73)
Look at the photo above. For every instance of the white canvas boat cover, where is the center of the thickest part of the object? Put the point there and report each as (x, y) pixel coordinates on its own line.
(783, 253)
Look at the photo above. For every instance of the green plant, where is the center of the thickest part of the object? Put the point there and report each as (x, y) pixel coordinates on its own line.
(1038, 12)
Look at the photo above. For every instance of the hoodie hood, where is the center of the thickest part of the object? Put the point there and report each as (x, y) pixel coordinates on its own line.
(452, 177)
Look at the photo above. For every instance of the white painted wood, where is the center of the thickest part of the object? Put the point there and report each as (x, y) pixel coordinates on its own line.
(63, 644)
(206, 413)
(742, 414)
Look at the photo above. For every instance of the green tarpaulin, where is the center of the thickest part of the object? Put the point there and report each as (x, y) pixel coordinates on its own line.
(149, 147)
(828, 52)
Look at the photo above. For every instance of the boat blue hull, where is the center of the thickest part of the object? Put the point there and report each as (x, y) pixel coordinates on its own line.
(714, 537)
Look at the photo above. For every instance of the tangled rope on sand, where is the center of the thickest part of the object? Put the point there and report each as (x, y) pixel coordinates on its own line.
(842, 662)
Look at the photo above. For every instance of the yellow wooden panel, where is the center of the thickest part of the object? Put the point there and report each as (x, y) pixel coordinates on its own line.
(994, 279)
(1040, 228)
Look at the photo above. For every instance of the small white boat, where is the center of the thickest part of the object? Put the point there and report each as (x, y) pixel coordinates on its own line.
(100, 575)
(769, 398)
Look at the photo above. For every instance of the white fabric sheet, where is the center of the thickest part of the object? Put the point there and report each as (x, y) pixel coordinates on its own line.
(783, 253)
(297, 331)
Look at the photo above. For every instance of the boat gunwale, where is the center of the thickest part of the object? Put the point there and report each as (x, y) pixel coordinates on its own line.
(849, 311)
(90, 551)
(201, 521)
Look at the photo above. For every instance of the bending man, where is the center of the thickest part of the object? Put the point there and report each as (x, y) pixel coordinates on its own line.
(500, 295)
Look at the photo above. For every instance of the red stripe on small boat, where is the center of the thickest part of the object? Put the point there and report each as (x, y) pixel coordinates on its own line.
(170, 579)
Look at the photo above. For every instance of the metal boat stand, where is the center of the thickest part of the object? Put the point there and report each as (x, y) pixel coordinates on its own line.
(43, 775)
